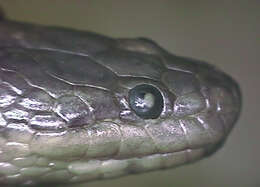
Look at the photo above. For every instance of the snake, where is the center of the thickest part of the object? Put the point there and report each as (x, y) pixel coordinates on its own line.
(77, 106)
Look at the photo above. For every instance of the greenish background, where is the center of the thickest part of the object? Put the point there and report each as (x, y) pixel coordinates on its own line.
(223, 32)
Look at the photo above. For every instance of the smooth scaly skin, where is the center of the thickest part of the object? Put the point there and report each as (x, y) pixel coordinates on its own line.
(64, 112)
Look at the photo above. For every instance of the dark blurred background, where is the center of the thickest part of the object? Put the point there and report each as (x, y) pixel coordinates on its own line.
(223, 32)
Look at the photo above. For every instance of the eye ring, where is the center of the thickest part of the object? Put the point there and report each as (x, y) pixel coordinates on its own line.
(146, 101)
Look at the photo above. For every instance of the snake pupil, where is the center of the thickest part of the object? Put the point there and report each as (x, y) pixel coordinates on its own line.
(146, 101)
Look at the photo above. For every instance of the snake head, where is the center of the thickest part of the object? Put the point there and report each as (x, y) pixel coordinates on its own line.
(77, 106)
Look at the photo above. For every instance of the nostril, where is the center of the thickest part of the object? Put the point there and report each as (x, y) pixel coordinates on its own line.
(227, 104)
(223, 100)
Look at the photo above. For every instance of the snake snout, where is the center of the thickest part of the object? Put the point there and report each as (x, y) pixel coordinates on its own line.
(207, 104)
(228, 103)
(224, 98)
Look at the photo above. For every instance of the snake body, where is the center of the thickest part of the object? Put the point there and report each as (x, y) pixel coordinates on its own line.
(77, 106)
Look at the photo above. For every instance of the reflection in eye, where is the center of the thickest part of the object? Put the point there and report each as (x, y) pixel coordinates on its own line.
(146, 101)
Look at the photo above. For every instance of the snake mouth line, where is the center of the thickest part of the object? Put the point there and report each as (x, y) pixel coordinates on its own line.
(113, 168)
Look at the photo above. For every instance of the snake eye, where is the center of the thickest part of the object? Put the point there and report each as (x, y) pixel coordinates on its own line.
(146, 101)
